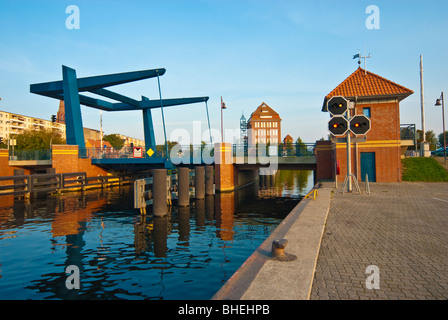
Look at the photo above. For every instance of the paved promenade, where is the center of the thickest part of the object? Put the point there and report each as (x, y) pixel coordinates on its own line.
(264, 278)
(400, 228)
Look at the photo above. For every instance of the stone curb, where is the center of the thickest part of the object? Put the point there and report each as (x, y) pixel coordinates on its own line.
(264, 278)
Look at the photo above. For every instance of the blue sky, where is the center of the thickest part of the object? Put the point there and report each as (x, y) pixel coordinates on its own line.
(288, 54)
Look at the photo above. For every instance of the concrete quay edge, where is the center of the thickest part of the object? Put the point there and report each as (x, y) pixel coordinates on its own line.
(262, 278)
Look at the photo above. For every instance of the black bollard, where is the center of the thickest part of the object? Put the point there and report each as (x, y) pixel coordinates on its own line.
(184, 187)
(159, 192)
(199, 182)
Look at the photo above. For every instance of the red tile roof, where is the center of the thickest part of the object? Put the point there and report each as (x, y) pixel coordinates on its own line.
(362, 83)
(97, 143)
(262, 111)
(288, 138)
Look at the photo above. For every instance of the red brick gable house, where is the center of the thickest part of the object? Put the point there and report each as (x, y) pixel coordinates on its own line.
(264, 126)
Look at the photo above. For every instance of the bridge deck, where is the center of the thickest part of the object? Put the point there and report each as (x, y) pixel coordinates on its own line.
(305, 163)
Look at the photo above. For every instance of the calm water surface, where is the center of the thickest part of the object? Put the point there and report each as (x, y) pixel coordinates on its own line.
(121, 255)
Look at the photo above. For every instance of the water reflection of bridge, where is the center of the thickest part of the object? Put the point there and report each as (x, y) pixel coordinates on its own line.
(81, 223)
(286, 184)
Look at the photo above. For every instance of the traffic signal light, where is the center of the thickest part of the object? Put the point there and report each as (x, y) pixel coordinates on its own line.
(53, 118)
(338, 125)
(337, 105)
(359, 125)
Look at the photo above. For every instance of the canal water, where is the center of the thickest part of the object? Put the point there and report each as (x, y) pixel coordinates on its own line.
(188, 254)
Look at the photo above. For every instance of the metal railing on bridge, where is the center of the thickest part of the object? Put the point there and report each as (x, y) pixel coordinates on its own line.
(280, 150)
(408, 132)
(200, 151)
(24, 155)
(176, 151)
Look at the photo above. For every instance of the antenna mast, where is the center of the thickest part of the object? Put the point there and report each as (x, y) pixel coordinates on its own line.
(361, 57)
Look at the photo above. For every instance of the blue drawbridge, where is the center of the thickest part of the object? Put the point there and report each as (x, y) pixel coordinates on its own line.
(69, 90)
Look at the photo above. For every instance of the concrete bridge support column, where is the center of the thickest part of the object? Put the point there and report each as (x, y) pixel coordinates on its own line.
(160, 207)
(184, 187)
(209, 180)
(199, 182)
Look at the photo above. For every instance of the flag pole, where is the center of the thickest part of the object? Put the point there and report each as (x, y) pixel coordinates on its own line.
(101, 128)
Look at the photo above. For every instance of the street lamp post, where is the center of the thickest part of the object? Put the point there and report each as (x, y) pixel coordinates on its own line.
(223, 106)
(443, 120)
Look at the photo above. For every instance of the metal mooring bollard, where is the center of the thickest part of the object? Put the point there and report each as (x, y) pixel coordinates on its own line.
(278, 251)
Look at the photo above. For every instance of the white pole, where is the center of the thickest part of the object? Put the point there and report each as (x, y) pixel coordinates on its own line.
(349, 156)
(422, 98)
(101, 128)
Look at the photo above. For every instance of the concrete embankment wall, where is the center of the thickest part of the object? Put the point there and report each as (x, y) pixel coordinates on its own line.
(263, 278)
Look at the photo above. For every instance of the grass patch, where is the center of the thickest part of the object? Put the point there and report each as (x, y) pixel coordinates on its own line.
(423, 169)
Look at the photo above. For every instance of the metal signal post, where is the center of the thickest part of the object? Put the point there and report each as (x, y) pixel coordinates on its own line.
(349, 156)
(340, 126)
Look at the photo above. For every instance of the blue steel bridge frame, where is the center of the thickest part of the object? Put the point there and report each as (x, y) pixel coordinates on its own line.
(70, 87)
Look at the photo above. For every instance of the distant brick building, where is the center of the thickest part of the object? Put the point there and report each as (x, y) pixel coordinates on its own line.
(60, 116)
(264, 126)
(97, 144)
(288, 139)
(380, 155)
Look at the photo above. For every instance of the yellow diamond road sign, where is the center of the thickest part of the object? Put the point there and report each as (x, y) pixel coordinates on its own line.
(150, 152)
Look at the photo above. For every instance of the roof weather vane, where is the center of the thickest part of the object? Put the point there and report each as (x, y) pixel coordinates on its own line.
(359, 60)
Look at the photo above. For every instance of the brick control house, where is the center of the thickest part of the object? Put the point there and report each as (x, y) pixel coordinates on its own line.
(379, 156)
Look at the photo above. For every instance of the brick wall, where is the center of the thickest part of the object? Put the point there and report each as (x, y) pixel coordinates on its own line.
(324, 160)
(384, 118)
(225, 173)
(387, 161)
(85, 165)
(5, 169)
(383, 139)
(65, 159)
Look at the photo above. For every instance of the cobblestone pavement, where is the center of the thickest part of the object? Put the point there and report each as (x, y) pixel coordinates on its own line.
(400, 228)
